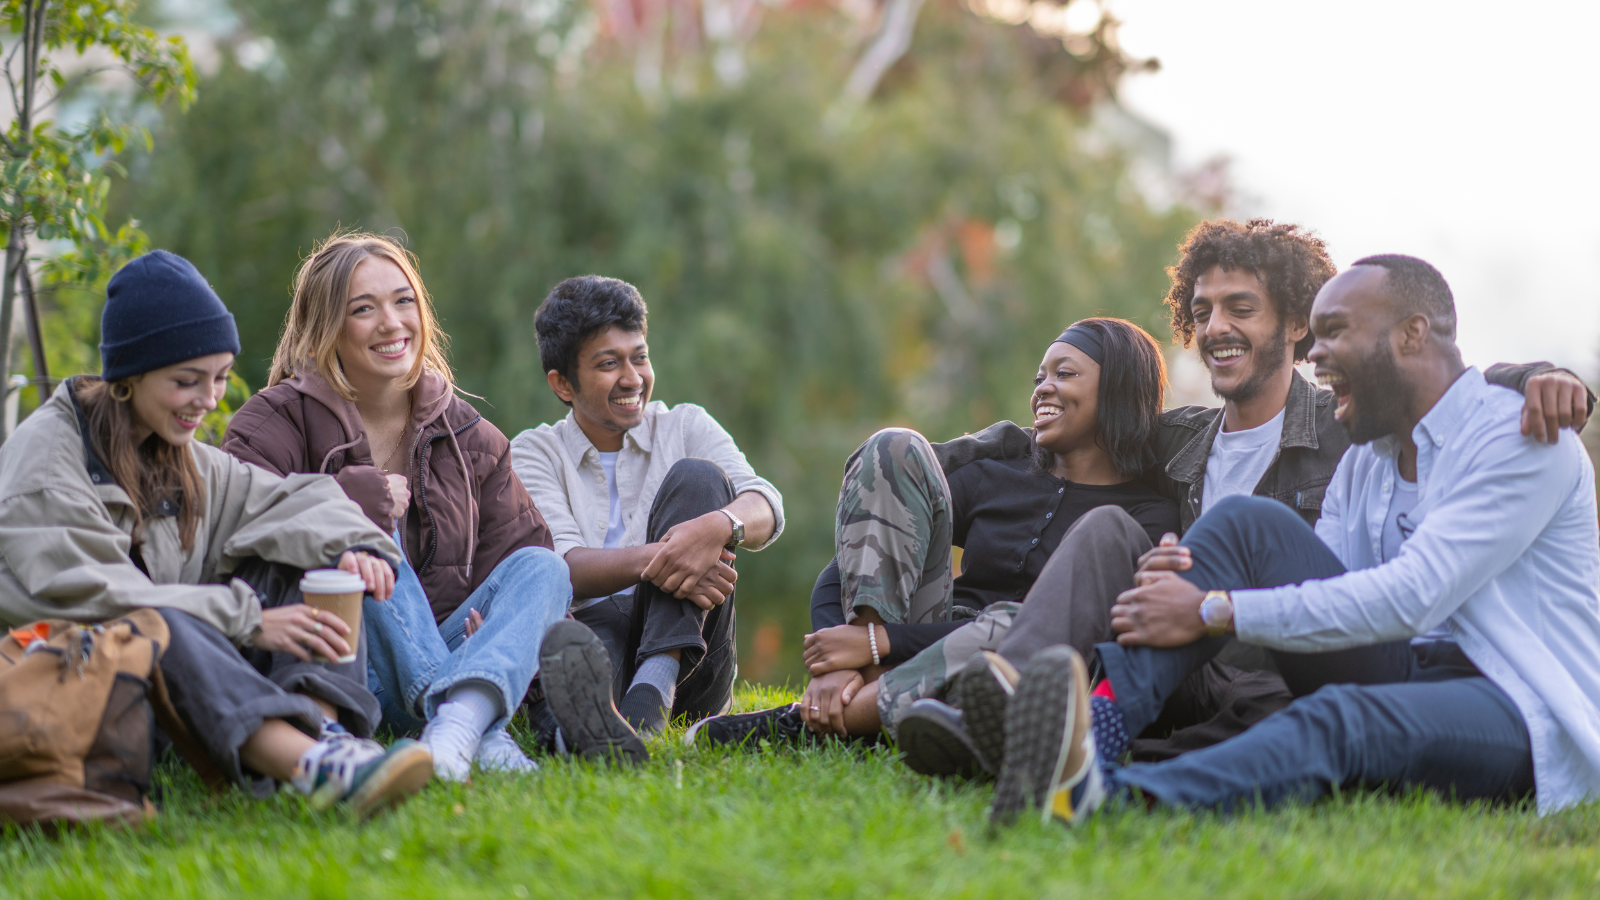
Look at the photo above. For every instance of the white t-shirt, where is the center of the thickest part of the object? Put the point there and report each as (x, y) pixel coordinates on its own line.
(1238, 460)
(1397, 526)
(614, 526)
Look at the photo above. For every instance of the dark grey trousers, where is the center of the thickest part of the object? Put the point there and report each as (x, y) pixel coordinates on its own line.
(653, 621)
(1071, 602)
(224, 694)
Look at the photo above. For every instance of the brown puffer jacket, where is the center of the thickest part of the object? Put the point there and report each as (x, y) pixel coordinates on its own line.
(468, 508)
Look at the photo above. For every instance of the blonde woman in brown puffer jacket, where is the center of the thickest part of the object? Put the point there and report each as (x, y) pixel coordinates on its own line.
(361, 390)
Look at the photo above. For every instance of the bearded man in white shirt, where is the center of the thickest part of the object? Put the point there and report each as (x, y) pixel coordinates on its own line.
(647, 504)
(1439, 629)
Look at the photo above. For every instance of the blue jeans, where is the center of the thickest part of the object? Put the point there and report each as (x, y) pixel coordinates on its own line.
(1387, 715)
(413, 662)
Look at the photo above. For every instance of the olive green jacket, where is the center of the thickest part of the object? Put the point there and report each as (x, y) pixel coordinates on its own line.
(65, 531)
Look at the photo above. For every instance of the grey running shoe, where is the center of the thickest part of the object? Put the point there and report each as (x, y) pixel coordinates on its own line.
(1051, 765)
(576, 673)
(983, 689)
(934, 741)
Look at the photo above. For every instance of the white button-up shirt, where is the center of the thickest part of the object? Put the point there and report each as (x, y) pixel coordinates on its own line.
(561, 469)
(1506, 554)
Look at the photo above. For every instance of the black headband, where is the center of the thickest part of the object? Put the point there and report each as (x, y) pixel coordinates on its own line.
(1086, 339)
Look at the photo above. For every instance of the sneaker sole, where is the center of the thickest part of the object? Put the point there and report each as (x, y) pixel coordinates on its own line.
(576, 673)
(985, 693)
(690, 736)
(931, 749)
(1043, 719)
(402, 773)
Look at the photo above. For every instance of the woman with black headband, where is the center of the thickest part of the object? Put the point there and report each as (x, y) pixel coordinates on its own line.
(891, 622)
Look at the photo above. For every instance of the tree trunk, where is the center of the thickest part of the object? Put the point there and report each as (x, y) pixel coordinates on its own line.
(30, 308)
(33, 14)
(16, 258)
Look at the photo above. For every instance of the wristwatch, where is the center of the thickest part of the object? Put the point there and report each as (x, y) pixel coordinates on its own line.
(738, 529)
(1216, 610)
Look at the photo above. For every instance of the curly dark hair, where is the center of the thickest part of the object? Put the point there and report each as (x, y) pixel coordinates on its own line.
(1292, 263)
(580, 307)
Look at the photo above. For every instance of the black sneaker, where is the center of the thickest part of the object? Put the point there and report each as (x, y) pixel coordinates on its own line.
(576, 674)
(1051, 765)
(934, 741)
(780, 725)
(984, 689)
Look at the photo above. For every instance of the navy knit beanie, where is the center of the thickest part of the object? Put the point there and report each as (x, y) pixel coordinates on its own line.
(160, 311)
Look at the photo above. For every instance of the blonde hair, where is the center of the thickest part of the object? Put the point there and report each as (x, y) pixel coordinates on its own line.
(317, 312)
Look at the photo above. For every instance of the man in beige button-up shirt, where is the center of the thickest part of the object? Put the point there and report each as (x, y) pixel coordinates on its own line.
(646, 504)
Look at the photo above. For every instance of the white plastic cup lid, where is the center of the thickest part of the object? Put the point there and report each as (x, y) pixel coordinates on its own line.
(331, 581)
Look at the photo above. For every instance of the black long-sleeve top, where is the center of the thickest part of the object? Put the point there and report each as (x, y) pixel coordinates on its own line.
(1008, 519)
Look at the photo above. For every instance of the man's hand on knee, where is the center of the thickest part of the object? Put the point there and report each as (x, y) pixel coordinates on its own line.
(1166, 556)
(1163, 611)
(688, 551)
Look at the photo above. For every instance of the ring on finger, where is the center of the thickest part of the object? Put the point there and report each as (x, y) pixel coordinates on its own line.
(316, 627)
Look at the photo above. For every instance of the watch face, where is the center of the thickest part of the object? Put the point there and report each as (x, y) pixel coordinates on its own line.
(1216, 611)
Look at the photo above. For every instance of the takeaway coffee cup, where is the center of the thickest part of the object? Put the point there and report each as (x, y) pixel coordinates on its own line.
(340, 593)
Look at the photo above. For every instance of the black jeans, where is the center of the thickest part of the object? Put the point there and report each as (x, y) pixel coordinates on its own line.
(224, 695)
(1392, 715)
(653, 622)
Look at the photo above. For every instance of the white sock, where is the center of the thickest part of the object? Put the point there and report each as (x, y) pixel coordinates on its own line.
(498, 751)
(660, 672)
(481, 698)
(457, 727)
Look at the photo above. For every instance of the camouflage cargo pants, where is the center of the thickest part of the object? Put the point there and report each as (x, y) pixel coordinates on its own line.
(893, 544)
(892, 535)
(928, 673)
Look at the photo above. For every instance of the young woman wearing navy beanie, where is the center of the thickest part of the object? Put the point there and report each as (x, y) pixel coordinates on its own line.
(110, 505)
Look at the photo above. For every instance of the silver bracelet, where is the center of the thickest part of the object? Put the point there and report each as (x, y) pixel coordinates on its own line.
(872, 636)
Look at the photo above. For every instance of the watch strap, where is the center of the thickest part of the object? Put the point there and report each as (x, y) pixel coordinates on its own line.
(738, 528)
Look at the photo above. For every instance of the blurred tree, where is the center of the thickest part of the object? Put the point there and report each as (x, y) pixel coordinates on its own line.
(814, 270)
(56, 178)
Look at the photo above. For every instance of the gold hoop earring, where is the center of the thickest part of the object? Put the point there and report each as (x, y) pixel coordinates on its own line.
(121, 392)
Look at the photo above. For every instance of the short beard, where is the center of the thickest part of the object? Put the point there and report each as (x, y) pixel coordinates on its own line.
(1270, 359)
(1377, 395)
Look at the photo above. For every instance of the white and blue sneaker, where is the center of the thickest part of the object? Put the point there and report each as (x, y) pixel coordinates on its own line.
(363, 775)
(1051, 762)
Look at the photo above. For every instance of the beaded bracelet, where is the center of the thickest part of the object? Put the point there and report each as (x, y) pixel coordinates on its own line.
(872, 636)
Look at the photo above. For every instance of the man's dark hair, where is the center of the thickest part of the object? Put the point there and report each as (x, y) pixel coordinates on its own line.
(1418, 289)
(1292, 265)
(1133, 377)
(578, 308)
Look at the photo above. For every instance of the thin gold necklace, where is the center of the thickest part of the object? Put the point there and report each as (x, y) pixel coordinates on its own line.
(410, 402)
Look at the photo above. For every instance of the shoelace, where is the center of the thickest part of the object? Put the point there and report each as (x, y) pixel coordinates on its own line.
(333, 762)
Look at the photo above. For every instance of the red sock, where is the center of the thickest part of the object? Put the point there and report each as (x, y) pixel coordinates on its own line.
(1104, 689)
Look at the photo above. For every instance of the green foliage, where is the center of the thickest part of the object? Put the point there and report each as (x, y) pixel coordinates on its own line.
(834, 822)
(811, 277)
(215, 425)
(55, 180)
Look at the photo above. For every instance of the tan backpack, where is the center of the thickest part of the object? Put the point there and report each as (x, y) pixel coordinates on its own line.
(76, 720)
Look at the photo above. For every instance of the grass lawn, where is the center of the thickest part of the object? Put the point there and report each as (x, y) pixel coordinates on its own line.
(833, 822)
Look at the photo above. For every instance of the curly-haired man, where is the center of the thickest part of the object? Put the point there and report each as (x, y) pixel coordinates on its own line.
(1243, 293)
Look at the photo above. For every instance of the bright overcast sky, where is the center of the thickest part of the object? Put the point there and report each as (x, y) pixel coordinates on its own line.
(1466, 133)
